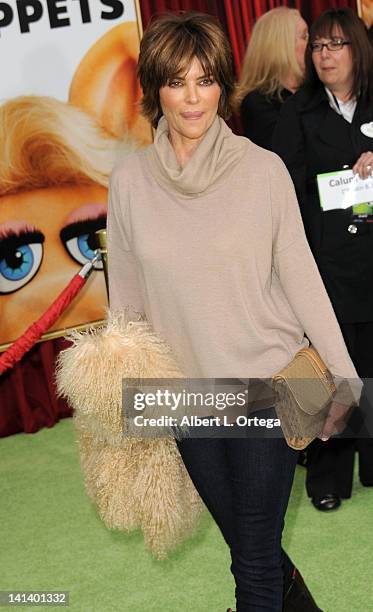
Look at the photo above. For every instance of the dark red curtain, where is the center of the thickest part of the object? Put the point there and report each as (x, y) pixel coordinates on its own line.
(240, 16)
(28, 398)
(150, 8)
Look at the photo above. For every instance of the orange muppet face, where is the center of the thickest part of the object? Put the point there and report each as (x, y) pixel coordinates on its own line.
(45, 238)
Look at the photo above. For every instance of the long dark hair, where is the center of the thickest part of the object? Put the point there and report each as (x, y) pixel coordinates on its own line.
(354, 30)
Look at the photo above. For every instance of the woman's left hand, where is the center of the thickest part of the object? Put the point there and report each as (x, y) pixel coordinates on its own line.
(336, 420)
(364, 165)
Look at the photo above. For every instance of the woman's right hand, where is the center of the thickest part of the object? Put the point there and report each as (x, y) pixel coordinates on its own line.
(364, 165)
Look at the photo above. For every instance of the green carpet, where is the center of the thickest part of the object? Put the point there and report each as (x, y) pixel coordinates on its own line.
(52, 539)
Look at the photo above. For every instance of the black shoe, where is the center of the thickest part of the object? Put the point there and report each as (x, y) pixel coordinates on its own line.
(366, 482)
(329, 501)
(298, 598)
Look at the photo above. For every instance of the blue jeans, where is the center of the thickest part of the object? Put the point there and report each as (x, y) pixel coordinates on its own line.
(245, 484)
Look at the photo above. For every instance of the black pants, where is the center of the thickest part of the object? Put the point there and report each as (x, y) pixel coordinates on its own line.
(246, 484)
(330, 465)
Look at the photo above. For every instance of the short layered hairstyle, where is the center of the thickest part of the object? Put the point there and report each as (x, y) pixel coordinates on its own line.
(353, 29)
(167, 49)
(270, 55)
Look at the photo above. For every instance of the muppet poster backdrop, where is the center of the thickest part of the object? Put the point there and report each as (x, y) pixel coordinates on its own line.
(68, 108)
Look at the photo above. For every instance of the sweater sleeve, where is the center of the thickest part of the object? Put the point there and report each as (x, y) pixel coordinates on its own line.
(124, 289)
(302, 284)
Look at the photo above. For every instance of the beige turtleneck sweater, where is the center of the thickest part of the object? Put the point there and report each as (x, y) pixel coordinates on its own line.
(215, 255)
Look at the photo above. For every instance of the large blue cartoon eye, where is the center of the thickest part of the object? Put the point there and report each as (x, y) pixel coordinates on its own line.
(20, 259)
(80, 248)
(80, 240)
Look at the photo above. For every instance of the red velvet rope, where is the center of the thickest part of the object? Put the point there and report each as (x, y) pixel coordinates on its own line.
(23, 344)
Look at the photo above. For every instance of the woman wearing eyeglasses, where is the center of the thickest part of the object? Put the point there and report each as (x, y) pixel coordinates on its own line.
(325, 127)
(273, 69)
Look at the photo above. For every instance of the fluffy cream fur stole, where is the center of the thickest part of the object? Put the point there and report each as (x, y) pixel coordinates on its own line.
(134, 483)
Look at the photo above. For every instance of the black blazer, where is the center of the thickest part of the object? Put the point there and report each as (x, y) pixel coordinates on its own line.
(312, 138)
(259, 114)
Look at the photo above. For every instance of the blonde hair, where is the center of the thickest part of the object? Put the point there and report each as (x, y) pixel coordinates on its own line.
(270, 55)
(45, 142)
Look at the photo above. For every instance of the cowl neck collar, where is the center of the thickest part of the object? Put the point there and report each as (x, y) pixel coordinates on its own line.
(211, 162)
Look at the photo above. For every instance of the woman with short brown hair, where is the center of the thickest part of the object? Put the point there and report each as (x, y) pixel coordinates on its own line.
(169, 47)
(205, 240)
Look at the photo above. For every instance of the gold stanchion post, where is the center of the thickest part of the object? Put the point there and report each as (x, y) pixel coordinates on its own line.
(101, 241)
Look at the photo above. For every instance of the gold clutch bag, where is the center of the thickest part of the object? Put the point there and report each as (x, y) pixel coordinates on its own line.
(304, 390)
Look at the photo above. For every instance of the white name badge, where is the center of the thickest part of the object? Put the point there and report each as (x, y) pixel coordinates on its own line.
(367, 129)
(343, 189)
